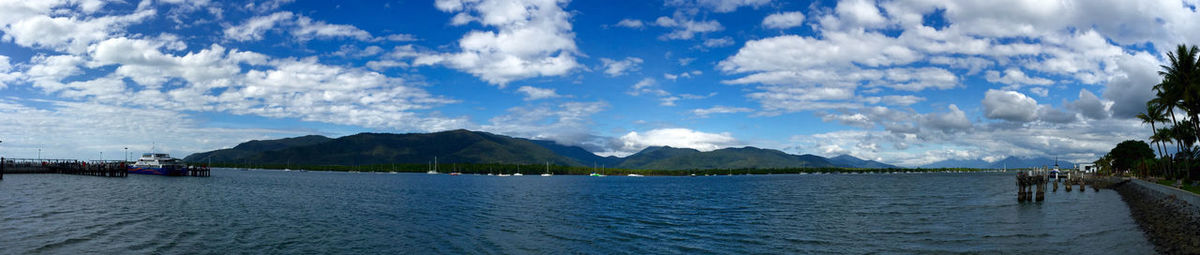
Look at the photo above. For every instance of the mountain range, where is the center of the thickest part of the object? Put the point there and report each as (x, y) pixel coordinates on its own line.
(463, 146)
(1009, 162)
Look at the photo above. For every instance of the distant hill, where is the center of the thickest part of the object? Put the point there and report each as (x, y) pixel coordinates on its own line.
(1016, 162)
(959, 163)
(578, 154)
(253, 147)
(463, 146)
(747, 157)
(457, 146)
(1010, 162)
(853, 162)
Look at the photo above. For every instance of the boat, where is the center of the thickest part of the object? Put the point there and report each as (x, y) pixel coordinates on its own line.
(433, 169)
(636, 175)
(547, 170)
(158, 164)
(518, 174)
(594, 174)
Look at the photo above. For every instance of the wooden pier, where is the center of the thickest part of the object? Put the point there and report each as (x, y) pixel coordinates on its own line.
(103, 168)
(1031, 185)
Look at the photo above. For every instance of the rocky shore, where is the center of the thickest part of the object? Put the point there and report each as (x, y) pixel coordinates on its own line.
(1169, 220)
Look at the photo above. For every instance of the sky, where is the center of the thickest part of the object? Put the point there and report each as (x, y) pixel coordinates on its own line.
(906, 82)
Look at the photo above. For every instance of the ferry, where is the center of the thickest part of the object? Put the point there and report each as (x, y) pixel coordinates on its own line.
(158, 164)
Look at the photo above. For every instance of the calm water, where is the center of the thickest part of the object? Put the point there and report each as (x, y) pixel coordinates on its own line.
(316, 212)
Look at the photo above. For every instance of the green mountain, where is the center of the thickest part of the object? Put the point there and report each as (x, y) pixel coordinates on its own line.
(667, 158)
(463, 146)
(254, 147)
(457, 146)
(853, 162)
(578, 154)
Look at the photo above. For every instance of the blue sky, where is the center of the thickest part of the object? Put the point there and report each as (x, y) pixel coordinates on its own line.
(903, 82)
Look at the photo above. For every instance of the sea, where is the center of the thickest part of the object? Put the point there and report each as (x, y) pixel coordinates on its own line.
(278, 212)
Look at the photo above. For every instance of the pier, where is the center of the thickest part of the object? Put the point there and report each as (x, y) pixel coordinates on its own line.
(102, 168)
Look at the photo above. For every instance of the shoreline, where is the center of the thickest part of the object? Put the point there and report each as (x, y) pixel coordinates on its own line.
(1170, 218)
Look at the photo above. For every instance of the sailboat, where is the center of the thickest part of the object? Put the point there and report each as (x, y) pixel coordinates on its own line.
(518, 173)
(547, 170)
(594, 174)
(434, 170)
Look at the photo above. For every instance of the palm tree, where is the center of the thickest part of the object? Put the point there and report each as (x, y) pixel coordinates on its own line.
(1180, 88)
(1163, 136)
(1153, 114)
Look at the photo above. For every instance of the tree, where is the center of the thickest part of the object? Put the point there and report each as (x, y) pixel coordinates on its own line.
(1126, 155)
(1153, 114)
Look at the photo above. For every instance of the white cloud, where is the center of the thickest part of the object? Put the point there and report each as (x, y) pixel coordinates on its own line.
(614, 68)
(674, 137)
(532, 93)
(860, 13)
(1014, 76)
(720, 109)
(254, 28)
(717, 5)
(7, 77)
(400, 37)
(904, 100)
(301, 27)
(65, 34)
(533, 38)
(949, 122)
(686, 29)
(1010, 106)
(647, 86)
(630, 23)
(1132, 86)
(1040, 91)
(784, 20)
(718, 42)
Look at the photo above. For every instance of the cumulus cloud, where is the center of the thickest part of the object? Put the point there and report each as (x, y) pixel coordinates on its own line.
(33, 26)
(616, 68)
(631, 23)
(674, 137)
(1009, 105)
(783, 20)
(954, 120)
(1091, 106)
(532, 93)
(532, 38)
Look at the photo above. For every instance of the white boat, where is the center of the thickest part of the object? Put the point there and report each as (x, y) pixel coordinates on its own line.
(547, 170)
(158, 164)
(636, 175)
(518, 174)
(434, 169)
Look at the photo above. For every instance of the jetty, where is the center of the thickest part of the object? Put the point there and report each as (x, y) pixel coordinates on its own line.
(101, 168)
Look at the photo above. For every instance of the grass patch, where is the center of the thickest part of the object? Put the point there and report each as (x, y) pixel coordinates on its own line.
(1171, 183)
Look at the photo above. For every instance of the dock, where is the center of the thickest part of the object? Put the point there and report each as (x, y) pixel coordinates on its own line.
(101, 168)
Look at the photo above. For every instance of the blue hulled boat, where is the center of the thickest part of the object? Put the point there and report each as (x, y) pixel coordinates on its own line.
(158, 164)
